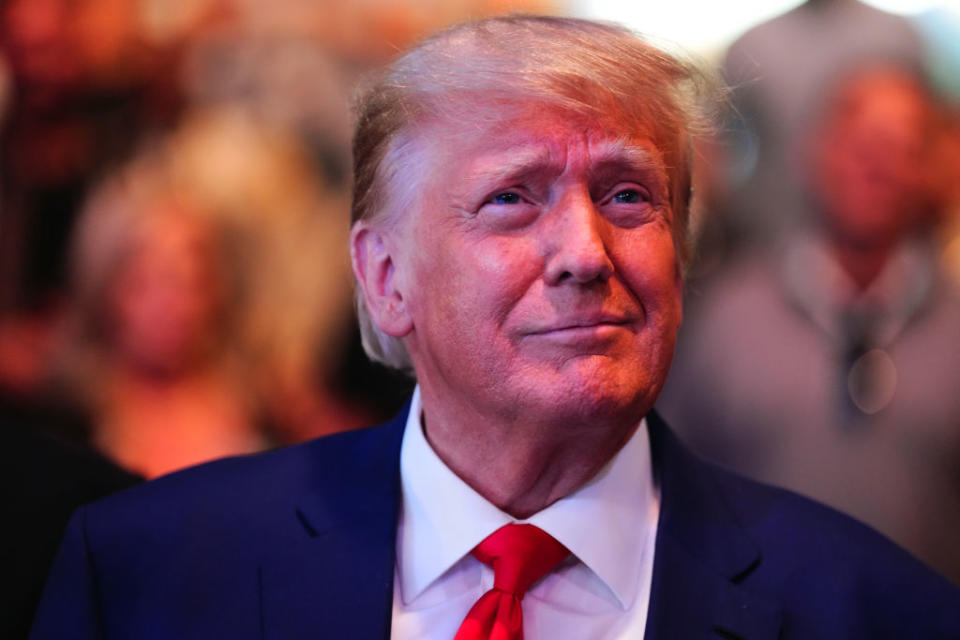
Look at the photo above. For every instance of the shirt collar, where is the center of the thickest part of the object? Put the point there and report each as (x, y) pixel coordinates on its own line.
(816, 284)
(443, 518)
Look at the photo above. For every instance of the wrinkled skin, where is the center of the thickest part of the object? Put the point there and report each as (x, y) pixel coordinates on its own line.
(535, 283)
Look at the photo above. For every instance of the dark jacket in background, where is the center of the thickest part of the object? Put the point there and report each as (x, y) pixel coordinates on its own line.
(42, 481)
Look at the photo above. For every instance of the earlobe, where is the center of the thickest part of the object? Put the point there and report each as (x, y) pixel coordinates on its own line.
(375, 268)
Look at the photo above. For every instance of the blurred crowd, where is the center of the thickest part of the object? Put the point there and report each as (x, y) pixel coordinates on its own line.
(175, 287)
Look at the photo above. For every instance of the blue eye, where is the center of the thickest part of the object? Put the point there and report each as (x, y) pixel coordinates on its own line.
(628, 196)
(507, 197)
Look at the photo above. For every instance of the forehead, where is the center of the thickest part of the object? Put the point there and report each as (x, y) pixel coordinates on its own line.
(535, 135)
(881, 96)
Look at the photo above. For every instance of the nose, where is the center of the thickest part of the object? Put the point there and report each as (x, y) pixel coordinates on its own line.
(576, 249)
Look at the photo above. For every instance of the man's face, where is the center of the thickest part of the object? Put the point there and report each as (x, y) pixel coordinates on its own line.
(871, 159)
(538, 267)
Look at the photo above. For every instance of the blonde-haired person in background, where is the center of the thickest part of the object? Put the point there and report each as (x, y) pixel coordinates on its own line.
(156, 298)
(209, 279)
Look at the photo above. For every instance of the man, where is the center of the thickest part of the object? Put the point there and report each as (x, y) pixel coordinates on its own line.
(521, 195)
(775, 95)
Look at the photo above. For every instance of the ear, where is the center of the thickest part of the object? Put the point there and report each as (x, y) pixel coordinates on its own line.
(375, 268)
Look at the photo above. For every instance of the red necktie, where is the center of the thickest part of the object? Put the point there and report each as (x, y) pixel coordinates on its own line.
(520, 554)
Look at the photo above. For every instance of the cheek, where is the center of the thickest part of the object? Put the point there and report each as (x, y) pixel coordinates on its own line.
(465, 294)
(648, 264)
(510, 284)
(506, 265)
(445, 289)
(486, 276)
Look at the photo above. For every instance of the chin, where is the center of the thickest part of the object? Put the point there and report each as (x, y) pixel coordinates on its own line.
(602, 396)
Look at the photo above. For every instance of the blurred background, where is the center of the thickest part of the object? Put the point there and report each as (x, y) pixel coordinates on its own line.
(174, 191)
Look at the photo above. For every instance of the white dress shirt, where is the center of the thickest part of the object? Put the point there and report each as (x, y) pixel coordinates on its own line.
(601, 592)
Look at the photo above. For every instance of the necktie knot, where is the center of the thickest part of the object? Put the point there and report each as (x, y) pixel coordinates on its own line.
(520, 554)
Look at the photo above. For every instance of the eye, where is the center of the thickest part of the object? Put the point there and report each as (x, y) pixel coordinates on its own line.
(506, 197)
(628, 196)
(510, 209)
(627, 204)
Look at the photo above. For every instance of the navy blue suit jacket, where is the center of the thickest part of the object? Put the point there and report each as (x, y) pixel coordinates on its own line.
(299, 543)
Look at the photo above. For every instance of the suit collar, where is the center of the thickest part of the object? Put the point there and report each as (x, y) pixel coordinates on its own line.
(338, 580)
(702, 553)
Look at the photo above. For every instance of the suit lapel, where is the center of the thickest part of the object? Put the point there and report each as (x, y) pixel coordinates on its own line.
(702, 553)
(337, 582)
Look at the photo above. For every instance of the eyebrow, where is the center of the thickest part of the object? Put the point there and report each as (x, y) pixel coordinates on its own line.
(619, 154)
(612, 155)
(521, 164)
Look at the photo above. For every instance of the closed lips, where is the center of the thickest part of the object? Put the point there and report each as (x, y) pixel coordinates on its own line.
(582, 323)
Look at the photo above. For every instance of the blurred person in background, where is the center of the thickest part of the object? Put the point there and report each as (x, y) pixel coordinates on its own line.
(288, 218)
(212, 297)
(830, 362)
(156, 301)
(778, 72)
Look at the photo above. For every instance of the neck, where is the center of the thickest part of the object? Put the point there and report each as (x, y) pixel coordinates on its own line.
(816, 4)
(521, 464)
(862, 263)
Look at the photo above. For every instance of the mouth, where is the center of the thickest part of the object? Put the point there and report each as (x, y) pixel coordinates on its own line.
(594, 326)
